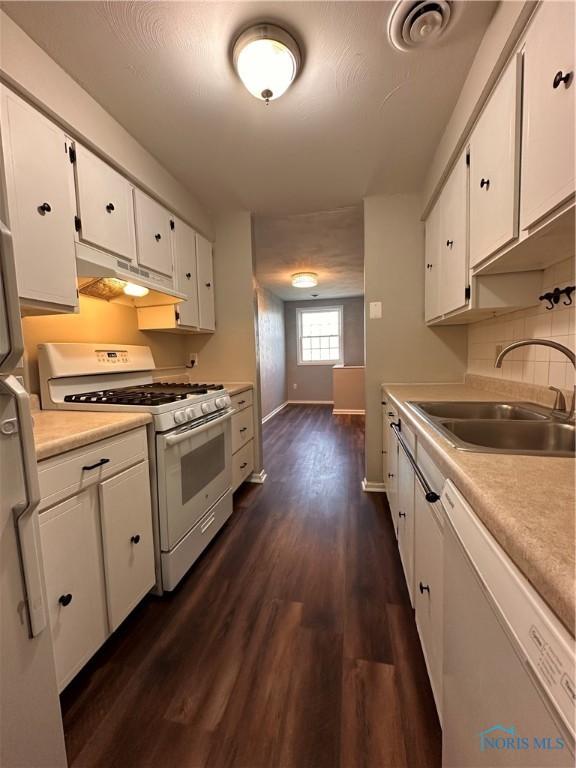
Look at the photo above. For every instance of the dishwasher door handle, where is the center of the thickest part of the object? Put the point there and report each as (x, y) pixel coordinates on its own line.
(431, 496)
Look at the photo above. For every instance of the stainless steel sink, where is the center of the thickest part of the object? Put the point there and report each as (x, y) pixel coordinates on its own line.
(480, 410)
(499, 427)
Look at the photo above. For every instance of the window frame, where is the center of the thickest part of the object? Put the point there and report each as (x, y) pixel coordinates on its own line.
(339, 308)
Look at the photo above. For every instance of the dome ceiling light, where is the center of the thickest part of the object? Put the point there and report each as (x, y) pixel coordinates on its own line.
(266, 59)
(304, 279)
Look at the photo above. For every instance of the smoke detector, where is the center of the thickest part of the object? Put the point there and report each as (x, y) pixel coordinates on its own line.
(418, 24)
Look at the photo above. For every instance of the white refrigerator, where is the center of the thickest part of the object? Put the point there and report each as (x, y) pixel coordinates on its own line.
(31, 734)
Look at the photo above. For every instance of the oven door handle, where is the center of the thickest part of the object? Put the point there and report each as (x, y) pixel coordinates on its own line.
(192, 431)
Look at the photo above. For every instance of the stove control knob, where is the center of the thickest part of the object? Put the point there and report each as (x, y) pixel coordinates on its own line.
(190, 413)
(180, 417)
(207, 407)
(222, 402)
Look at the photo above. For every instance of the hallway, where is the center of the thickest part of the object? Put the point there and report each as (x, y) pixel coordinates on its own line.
(291, 643)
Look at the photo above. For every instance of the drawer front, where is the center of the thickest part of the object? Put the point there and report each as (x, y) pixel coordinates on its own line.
(242, 428)
(242, 464)
(72, 555)
(72, 472)
(126, 517)
(242, 399)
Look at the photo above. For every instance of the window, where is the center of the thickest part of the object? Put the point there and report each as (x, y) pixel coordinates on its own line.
(319, 336)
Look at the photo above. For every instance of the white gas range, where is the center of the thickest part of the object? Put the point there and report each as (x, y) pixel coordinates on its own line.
(189, 446)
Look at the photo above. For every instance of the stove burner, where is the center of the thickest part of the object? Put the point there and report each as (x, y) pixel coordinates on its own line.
(159, 393)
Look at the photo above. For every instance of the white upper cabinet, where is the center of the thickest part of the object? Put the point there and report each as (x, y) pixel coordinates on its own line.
(432, 264)
(453, 246)
(495, 168)
(105, 206)
(153, 234)
(205, 284)
(184, 252)
(548, 162)
(39, 201)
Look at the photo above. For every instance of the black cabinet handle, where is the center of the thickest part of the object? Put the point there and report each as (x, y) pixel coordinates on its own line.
(135, 539)
(243, 429)
(241, 402)
(243, 466)
(208, 285)
(485, 183)
(110, 207)
(44, 209)
(424, 588)
(94, 466)
(449, 243)
(65, 599)
(559, 77)
(158, 236)
(428, 266)
(401, 514)
(188, 275)
(390, 475)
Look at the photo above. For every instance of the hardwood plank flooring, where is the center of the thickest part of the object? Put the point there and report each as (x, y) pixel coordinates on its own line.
(290, 644)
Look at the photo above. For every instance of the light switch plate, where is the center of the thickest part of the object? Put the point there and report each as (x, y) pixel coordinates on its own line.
(375, 310)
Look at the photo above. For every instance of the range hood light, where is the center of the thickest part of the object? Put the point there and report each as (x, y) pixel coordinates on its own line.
(131, 289)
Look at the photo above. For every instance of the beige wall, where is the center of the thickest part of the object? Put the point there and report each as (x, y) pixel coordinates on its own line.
(399, 346)
(271, 351)
(314, 382)
(98, 321)
(29, 70)
(348, 388)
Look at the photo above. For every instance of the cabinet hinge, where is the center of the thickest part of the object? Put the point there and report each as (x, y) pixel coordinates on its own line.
(468, 158)
(467, 293)
(72, 154)
(172, 224)
(77, 223)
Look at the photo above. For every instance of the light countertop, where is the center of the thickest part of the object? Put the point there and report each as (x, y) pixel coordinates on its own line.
(56, 432)
(526, 502)
(235, 387)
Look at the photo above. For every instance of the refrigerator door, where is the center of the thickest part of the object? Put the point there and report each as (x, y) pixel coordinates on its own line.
(31, 733)
(11, 343)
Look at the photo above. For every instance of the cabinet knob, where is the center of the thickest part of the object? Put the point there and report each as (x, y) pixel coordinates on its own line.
(110, 207)
(559, 77)
(208, 285)
(243, 466)
(65, 599)
(158, 236)
(243, 429)
(424, 588)
(401, 514)
(485, 183)
(428, 266)
(135, 539)
(241, 402)
(390, 475)
(449, 243)
(44, 209)
(188, 275)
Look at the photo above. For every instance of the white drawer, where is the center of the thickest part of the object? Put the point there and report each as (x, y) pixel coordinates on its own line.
(242, 428)
(71, 472)
(242, 464)
(242, 399)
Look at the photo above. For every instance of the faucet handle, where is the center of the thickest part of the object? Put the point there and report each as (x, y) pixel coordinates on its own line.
(560, 400)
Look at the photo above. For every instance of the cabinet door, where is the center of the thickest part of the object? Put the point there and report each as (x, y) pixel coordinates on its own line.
(153, 234)
(205, 283)
(548, 142)
(184, 252)
(72, 554)
(391, 467)
(126, 516)
(406, 519)
(432, 265)
(428, 587)
(40, 203)
(105, 205)
(495, 168)
(453, 245)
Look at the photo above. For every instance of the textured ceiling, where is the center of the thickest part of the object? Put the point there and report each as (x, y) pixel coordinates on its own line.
(361, 119)
(329, 243)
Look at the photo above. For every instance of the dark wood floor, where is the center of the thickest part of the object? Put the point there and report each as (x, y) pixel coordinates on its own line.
(291, 644)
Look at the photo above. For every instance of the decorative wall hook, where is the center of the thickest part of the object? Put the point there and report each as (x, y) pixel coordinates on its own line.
(553, 297)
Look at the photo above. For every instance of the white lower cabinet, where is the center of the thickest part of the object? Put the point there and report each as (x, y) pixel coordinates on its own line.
(126, 518)
(242, 438)
(406, 519)
(390, 463)
(72, 554)
(97, 545)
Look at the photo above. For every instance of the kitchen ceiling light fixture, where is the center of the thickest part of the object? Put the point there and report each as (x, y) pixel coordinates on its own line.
(266, 59)
(304, 279)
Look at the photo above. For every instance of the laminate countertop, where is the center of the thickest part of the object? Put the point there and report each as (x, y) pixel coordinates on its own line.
(56, 432)
(526, 502)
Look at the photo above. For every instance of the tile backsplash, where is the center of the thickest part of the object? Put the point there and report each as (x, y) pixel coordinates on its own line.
(533, 365)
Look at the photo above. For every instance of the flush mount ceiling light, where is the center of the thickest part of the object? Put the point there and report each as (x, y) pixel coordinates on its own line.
(304, 279)
(418, 24)
(267, 59)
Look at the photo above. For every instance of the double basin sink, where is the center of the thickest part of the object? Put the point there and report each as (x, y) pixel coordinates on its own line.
(518, 428)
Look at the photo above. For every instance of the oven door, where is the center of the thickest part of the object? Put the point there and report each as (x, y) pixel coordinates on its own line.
(194, 471)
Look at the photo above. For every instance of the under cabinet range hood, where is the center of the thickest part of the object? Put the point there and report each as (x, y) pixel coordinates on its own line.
(104, 276)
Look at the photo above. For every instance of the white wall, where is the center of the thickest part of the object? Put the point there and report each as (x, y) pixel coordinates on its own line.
(271, 351)
(29, 70)
(400, 347)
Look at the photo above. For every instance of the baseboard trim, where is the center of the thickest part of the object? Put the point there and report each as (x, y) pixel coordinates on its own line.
(310, 402)
(370, 487)
(274, 412)
(258, 477)
(350, 411)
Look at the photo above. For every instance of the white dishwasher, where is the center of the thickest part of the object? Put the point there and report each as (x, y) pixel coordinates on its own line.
(508, 695)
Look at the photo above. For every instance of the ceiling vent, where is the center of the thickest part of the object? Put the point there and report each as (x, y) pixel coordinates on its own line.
(419, 24)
